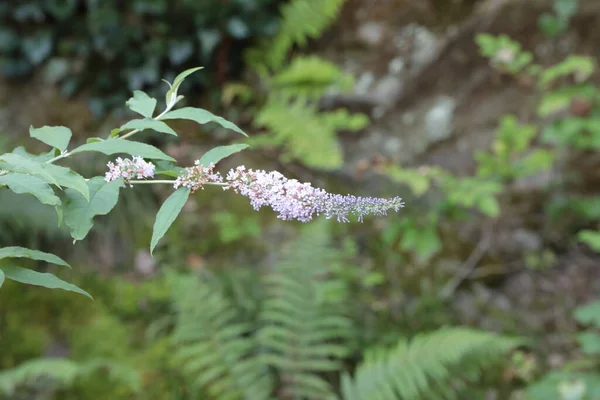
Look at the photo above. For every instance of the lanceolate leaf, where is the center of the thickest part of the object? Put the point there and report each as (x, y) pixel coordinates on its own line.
(147, 123)
(47, 280)
(17, 163)
(68, 178)
(122, 146)
(22, 252)
(167, 214)
(23, 183)
(218, 153)
(142, 104)
(172, 92)
(1, 278)
(79, 213)
(181, 77)
(202, 117)
(55, 136)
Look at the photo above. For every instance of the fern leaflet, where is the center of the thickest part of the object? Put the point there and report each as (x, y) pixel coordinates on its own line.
(431, 366)
(213, 345)
(305, 328)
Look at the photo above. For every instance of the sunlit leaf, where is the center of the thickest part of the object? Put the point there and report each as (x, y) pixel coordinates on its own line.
(142, 104)
(202, 117)
(143, 124)
(119, 146)
(55, 136)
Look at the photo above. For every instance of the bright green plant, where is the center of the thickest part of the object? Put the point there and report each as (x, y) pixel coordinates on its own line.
(287, 97)
(578, 379)
(305, 334)
(78, 201)
(556, 23)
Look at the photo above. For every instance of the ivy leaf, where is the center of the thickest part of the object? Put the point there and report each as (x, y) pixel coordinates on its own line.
(29, 184)
(167, 214)
(147, 123)
(55, 136)
(47, 280)
(218, 153)
(202, 117)
(142, 104)
(22, 252)
(79, 213)
(117, 146)
(17, 163)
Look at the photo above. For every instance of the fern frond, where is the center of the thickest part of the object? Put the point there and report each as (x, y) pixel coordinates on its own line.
(301, 20)
(306, 134)
(311, 76)
(305, 329)
(431, 366)
(213, 346)
(62, 372)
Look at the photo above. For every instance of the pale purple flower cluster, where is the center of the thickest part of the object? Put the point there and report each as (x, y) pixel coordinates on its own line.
(295, 200)
(196, 177)
(129, 169)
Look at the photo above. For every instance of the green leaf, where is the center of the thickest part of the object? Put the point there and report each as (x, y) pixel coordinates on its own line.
(589, 342)
(218, 153)
(590, 238)
(167, 214)
(167, 168)
(17, 163)
(171, 96)
(79, 213)
(181, 77)
(23, 183)
(142, 104)
(202, 117)
(55, 136)
(47, 280)
(143, 124)
(22, 252)
(68, 178)
(1, 278)
(117, 146)
(588, 314)
(489, 206)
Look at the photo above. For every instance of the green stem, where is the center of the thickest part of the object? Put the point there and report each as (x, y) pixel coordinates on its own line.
(157, 118)
(60, 156)
(139, 182)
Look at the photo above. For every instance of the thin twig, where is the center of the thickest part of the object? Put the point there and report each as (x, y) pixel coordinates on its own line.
(469, 265)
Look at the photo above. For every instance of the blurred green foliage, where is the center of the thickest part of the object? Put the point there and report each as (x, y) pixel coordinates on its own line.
(286, 98)
(271, 332)
(114, 47)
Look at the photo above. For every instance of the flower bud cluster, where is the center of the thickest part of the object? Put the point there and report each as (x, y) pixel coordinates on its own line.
(129, 169)
(196, 177)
